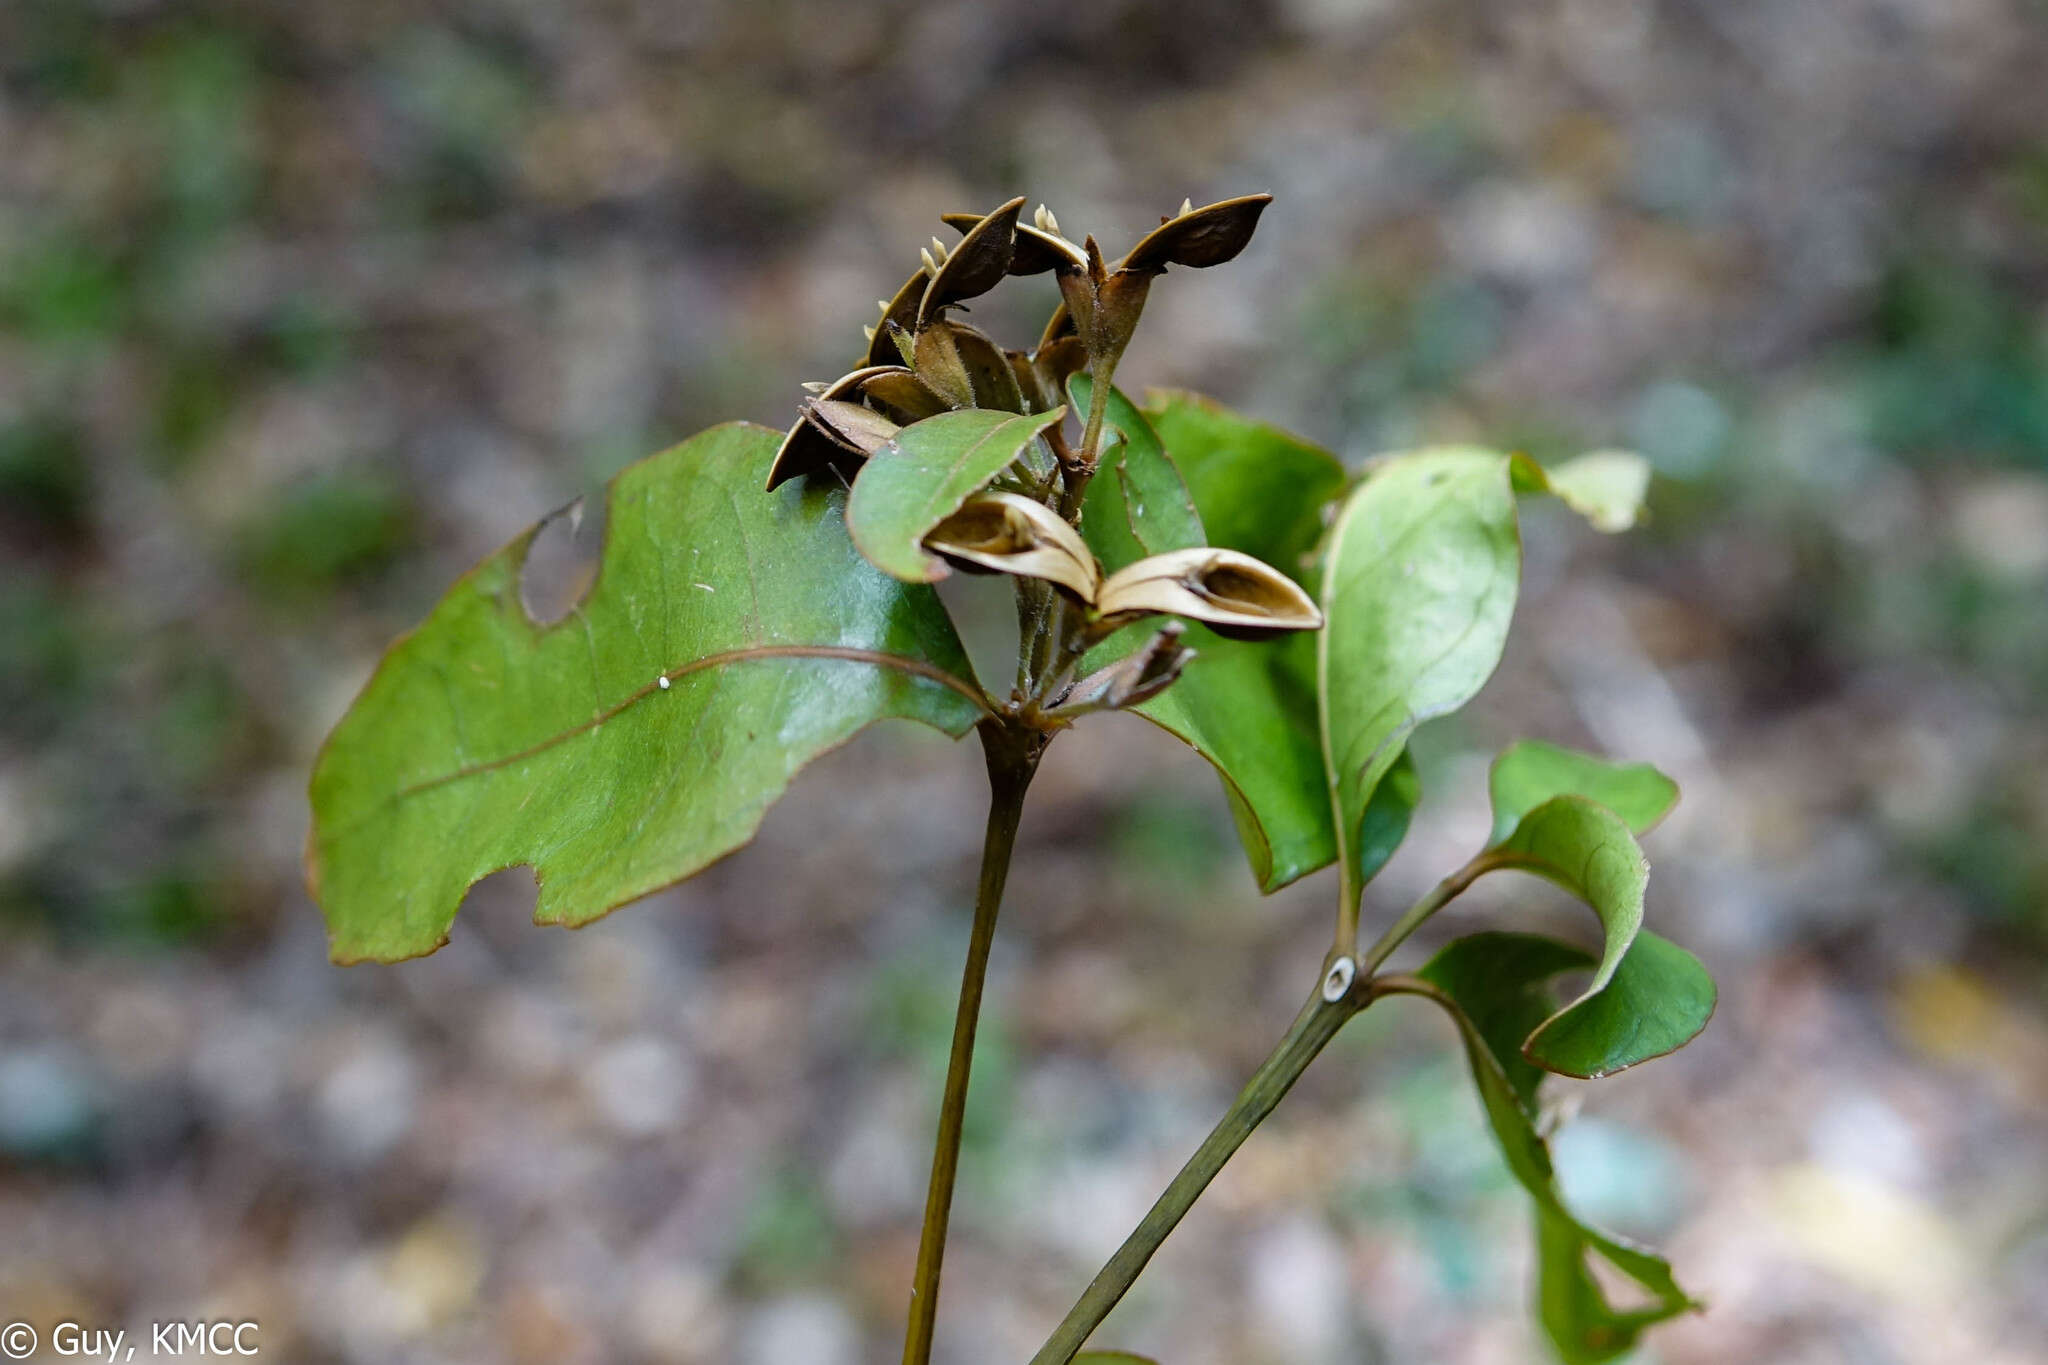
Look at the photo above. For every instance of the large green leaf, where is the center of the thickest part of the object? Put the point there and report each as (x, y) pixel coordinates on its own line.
(1493, 987)
(1260, 489)
(732, 636)
(1246, 706)
(1531, 772)
(1419, 584)
(1647, 996)
(923, 475)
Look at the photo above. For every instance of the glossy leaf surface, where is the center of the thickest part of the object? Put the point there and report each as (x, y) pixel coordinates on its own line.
(731, 637)
(1246, 706)
(923, 476)
(1419, 585)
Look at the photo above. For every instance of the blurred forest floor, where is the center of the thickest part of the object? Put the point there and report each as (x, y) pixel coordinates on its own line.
(303, 308)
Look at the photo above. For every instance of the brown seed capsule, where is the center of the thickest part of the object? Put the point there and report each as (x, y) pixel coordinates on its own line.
(902, 395)
(1138, 677)
(1059, 361)
(976, 265)
(1060, 324)
(965, 368)
(1037, 250)
(899, 312)
(808, 450)
(859, 429)
(996, 532)
(1235, 595)
(1198, 237)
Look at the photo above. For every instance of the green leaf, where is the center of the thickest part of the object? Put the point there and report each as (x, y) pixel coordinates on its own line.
(1137, 503)
(1419, 584)
(1647, 996)
(1606, 487)
(922, 476)
(1259, 489)
(1657, 1001)
(1388, 815)
(1493, 987)
(1246, 706)
(1420, 581)
(1531, 772)
(485, 741)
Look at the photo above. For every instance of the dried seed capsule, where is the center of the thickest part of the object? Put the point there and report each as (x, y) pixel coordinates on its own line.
(996, 532)
(808, 450)
(976, 265)
(903, 396)
(1230, 592)
(965, 368)
(1037, 250)
(1135, 678)
(859, 429)
(899, 312)
(1198, 237)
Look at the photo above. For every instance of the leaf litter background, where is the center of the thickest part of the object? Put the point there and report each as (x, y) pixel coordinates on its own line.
(305, 308)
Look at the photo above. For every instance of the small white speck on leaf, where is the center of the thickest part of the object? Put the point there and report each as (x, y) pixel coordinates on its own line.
(662, 682)
(706, 586)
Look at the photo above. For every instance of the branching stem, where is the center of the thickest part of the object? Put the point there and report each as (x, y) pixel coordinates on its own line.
(1012, 759)
(1413, 917)
(1313, 1029)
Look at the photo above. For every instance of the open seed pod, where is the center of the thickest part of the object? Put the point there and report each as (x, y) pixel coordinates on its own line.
(997, 532)
(1039, 246)
(976, 265)
(903, 396)
(1135, 678)
(965, 368)
(860, 429)
(808, 449)
(1230, 592)
(898, 314)
(1198, 237)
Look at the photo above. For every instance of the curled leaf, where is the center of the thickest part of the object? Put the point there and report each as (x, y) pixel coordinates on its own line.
(1135, 678)
(1008, 533)
(976, 265)
(1492, 986)
(1235, 595)
(860, 429)
(807, 448)
(1198, 237)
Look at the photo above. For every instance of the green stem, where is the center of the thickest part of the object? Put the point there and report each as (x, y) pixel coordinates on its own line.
(1314, 1027)
(1101, 373)
(1412, 919)
(1012, 759)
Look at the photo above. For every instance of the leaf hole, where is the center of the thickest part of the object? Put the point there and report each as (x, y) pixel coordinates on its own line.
(562, 561)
